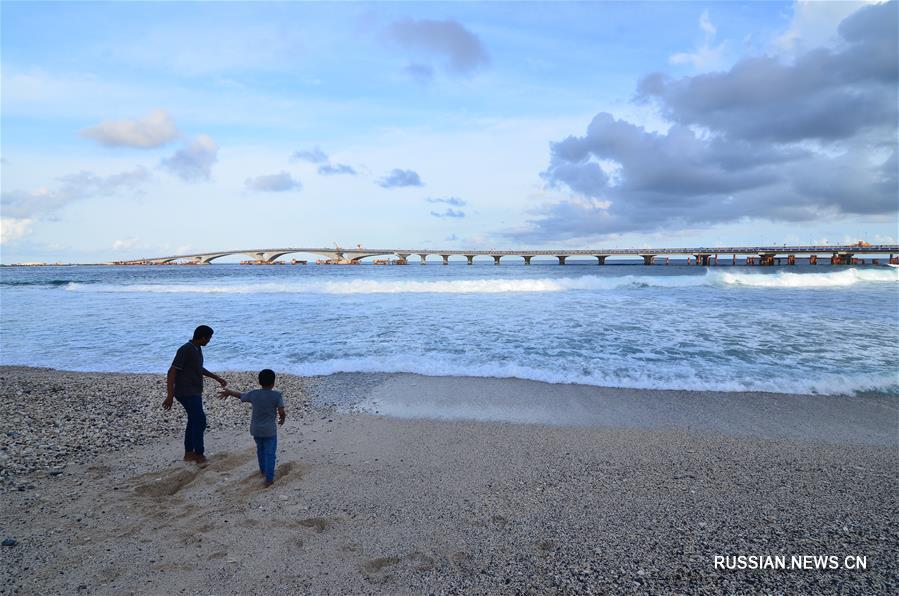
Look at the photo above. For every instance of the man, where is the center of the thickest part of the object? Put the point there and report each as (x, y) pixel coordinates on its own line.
(184, 381)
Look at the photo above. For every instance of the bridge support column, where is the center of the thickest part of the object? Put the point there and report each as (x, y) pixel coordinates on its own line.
(470, 259)
(527, 259)
(813, 259)
(766, 260)
(445, 259)
(702, 260)
(496, 259)
(600, 259)
(424, 259)
(561, 259)
(647, 259)
(791, 259)
(735, 258)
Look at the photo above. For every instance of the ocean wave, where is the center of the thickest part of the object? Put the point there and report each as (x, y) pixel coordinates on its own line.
(54, 283)
(679, 378)
(830, 279)
(711, 278)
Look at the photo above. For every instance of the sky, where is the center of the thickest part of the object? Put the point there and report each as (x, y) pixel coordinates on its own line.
(135, 130)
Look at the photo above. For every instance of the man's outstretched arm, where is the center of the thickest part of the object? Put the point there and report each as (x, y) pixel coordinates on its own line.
(281, 415)
(212, 375)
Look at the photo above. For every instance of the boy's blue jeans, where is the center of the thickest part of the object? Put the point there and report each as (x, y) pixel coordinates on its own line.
(196, 423)
(265, 453)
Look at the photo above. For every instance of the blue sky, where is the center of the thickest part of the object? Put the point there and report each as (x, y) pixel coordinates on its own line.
(146, 129)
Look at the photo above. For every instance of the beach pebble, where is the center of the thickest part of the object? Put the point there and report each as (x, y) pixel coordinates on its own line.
(9, 542)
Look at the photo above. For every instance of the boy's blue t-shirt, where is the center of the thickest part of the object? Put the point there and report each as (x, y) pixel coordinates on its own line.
(263, 421)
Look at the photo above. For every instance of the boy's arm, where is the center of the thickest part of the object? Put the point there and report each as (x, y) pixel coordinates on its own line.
(281, 415)
(226, 392)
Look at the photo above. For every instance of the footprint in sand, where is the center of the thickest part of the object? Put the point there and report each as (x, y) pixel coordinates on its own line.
(374, 570)
(166, 484)
(318, 524)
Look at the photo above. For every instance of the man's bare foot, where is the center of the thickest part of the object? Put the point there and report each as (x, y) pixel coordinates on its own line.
(200, 460)
(189, 456)
(268, 483)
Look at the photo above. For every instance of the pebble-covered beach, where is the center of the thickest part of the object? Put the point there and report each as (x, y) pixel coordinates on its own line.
(97, 500)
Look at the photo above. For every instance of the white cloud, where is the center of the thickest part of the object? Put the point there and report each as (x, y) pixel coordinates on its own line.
(706, 56)
(815, 23)
(126, 244)
(280, 182)
(154, 129)
(195, 161)
(13, 228)
(73, 187)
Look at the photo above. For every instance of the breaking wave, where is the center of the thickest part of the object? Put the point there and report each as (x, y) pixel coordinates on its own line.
(712, 278)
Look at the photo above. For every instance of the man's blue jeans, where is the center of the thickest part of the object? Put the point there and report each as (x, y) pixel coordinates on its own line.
(265, 453)
(196, 423)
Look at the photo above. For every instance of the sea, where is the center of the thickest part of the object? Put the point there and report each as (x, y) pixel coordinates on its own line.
(808, 329)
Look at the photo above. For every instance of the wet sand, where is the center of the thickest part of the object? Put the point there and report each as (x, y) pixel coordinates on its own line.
(557, 489)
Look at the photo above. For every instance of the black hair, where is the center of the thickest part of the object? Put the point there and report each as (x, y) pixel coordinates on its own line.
(266, 377)
(203, 331)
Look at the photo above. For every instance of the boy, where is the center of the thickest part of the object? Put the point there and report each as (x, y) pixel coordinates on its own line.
(265, 402)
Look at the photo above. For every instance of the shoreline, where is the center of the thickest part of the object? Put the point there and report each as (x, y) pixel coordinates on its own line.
(639, 497)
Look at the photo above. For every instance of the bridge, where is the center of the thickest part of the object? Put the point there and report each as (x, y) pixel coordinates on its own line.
(765, 255)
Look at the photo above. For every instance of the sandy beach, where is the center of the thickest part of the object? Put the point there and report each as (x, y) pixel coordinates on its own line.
(412, 484)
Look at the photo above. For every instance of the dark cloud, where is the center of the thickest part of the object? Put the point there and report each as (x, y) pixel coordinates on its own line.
(399, 178)
(71, 188)
(454, 201)
(315, 155)
(280, 182)
(450, 212)
(193, 162)
(336, 169)
(765, 140)
(462, 51)
(824, 95)
(422, 73)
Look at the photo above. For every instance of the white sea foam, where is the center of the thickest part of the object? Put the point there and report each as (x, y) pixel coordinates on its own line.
(830, 279)
(667, 378)
(712, 278)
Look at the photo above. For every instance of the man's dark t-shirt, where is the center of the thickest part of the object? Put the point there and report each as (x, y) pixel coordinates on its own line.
(188, 363)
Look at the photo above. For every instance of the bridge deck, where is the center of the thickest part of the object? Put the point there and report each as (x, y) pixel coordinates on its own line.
(270, 254)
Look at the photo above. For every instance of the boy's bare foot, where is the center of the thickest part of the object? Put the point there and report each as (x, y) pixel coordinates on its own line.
(268, 483)
(189, 456)
(200, 460)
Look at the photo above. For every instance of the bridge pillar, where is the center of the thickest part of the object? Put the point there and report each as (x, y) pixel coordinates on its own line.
(470, 259)
(496, 259)
(702, 260)
(813, 259)
(527, 259)
(561, 259)
(600, 259)
(424, 259)
(766, 260)
(445, 259)
(647, 259)
(791, 259)
(402, 256)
